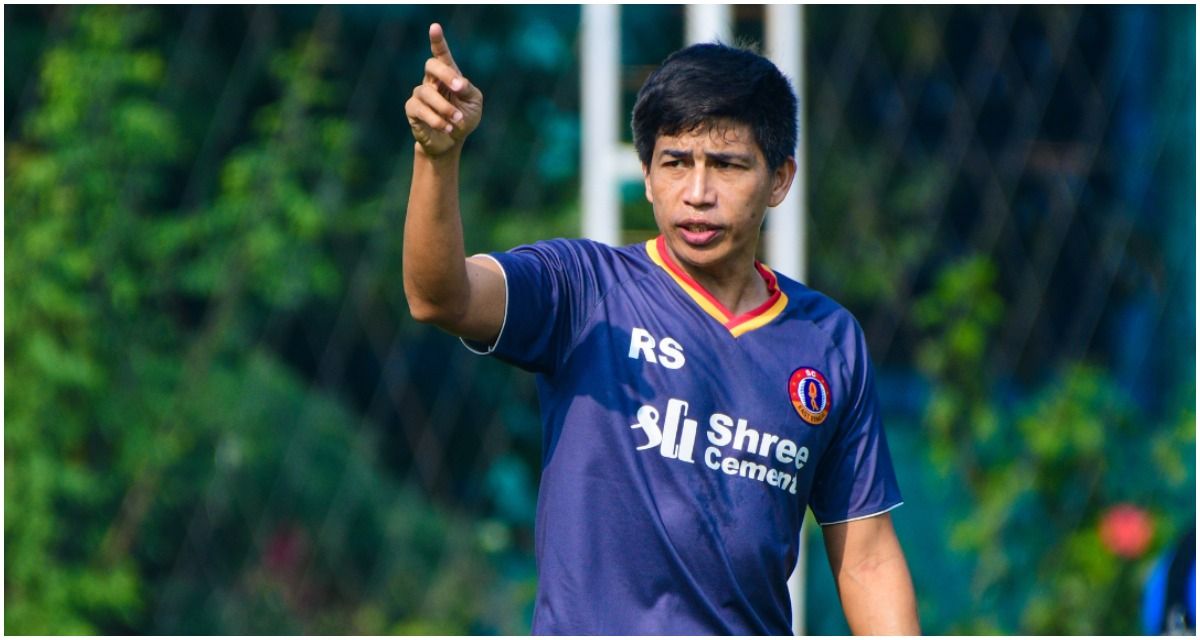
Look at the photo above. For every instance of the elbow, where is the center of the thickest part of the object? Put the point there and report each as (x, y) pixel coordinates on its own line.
(437, 301)
(431, 312)
(423, 312)
(422, 308)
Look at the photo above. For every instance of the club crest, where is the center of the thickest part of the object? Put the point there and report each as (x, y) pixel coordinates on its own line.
(809, 393)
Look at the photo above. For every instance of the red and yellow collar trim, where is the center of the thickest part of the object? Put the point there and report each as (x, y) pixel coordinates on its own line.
(737, 325)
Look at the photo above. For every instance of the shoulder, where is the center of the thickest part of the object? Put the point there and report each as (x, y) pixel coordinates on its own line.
(581, 254)
(828, 317)
(818, 308)
(586, 248)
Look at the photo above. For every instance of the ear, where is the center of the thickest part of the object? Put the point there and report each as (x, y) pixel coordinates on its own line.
(646, 181)
(781, 181)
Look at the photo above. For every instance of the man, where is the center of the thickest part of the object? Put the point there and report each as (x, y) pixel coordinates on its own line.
(694, 402)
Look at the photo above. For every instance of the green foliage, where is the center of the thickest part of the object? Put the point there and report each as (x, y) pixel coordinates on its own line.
(277, 196)
(1041, 472)
(960, 312)
(872, 240)
(90, 160)
(165, 472)
(312, 535)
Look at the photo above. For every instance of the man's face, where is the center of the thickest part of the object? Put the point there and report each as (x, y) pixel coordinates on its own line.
(710, 189)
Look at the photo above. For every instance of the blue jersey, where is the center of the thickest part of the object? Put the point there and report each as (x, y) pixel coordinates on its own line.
(682, 445)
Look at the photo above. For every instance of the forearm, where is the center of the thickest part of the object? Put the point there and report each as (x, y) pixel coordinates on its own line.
(435, 276)
(872, 577)
(877, 596)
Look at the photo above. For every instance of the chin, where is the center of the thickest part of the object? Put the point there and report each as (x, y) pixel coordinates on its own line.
(699, 256)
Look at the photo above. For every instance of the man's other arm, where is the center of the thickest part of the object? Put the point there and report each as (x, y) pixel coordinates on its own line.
(463, 296)
(872, 577)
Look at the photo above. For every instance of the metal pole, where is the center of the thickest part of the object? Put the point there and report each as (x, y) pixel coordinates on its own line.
(786, 241)
(709, 22)
(785, 249)
(601, 101)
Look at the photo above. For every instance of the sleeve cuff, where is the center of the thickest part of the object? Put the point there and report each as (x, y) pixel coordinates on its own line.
(862, 517)
(479, 348)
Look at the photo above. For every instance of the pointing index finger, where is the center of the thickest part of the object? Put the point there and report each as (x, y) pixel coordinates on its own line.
(438, 46)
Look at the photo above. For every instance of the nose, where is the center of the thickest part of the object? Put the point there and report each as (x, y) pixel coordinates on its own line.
(699, 192)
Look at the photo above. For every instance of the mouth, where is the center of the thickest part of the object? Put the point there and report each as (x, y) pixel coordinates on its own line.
(698, 234)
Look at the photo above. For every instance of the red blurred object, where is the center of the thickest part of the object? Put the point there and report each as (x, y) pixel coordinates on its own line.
(1126, 530)
(285, 549)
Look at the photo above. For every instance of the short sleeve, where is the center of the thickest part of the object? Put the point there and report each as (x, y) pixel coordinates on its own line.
(855, 478)
(551, 287)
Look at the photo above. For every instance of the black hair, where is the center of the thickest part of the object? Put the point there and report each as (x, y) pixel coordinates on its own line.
(701, 84)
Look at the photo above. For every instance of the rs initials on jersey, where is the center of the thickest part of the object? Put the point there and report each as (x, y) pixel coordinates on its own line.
(667, 352)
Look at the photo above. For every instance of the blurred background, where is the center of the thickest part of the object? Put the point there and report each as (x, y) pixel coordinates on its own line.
(220, 418)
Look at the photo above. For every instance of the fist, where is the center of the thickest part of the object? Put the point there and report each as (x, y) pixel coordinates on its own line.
(445, 108)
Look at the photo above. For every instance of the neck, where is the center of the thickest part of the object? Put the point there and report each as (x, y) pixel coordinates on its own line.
(739, 291)
(736, 283)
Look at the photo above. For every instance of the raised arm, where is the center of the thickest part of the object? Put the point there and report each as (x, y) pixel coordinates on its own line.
(872, 577)
(463, 296)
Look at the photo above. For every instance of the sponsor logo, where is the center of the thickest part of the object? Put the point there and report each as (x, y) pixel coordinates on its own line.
(809, 393)
(734, 447)
(667, 438)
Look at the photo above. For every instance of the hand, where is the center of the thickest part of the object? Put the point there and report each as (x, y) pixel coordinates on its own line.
(445, 108)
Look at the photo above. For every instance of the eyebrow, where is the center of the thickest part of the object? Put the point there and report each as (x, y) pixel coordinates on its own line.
(743, 158)
(719, 156)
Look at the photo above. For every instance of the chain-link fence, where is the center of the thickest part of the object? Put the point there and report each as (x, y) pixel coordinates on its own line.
(220, 417)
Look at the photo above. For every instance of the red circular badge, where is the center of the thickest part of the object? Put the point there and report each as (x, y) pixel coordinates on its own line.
(810, 394)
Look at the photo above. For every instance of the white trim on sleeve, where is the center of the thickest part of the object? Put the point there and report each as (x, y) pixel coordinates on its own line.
(870, 515)
(503, 323)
